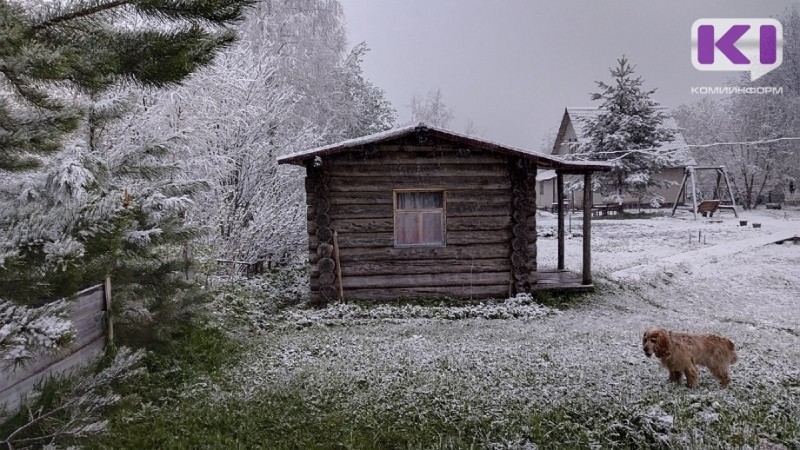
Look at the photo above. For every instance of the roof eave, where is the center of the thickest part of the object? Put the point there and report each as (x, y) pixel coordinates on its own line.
(547, 161)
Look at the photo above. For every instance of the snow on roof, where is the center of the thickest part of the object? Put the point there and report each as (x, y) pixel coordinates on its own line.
(545, 175)
(549, 161)
(682, 156)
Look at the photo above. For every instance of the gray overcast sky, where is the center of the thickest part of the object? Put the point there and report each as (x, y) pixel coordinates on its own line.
(511, 66)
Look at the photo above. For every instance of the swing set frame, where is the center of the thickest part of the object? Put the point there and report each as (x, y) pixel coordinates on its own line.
(689, 175)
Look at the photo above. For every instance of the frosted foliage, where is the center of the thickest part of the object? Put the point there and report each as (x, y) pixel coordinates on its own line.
(629, 133)
(142, 236)
(80, 191)
(231, 140)
(287, 85)
(519, 307)
(27, 332)
(431, 109)
(68, 179)
(82, 410)
(741, 129)
(108, 173)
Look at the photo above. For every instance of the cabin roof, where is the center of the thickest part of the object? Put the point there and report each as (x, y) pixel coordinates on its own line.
(544, 161)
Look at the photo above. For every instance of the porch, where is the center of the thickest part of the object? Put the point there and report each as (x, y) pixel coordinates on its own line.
(552, 280)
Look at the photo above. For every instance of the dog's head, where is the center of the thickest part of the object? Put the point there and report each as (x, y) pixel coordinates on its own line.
(656, 342)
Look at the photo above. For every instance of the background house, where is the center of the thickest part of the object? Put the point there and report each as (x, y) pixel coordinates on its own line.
(572, 132)
(423, 212)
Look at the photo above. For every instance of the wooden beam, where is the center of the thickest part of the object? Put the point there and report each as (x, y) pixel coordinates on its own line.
(108, 312)
(694, 193)
(587, 228)
(338, 264)
(683, 189)
(730, 189)
(560, 200)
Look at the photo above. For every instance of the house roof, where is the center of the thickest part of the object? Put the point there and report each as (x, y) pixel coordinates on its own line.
(545, 175)
(544, 161)
(578, 115)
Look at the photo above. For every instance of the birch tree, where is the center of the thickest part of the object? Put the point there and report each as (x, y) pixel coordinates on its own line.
(287, 86)
(431, 109)
(745, 134)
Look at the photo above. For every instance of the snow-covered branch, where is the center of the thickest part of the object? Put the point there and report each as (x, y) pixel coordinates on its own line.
(25, 332)
(80, 411)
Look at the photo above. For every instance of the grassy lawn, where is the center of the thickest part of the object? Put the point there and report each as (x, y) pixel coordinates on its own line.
(514, 375)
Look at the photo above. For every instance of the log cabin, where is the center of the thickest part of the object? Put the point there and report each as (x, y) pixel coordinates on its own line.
(420, 211)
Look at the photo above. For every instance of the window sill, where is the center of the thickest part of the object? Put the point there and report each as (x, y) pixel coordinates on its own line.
(420, 245)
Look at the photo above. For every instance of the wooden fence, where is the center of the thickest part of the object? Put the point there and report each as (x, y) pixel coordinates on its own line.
(92, 325)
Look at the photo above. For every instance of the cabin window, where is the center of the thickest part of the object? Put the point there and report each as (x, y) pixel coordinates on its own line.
(419, 218)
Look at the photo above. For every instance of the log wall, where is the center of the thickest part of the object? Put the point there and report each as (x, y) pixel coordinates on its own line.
(352, 193)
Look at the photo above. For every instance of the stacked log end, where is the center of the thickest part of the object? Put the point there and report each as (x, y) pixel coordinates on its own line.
(522, 245)
(319, 179)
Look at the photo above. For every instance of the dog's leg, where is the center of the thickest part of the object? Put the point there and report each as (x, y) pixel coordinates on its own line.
(675, 376)
(721, 373)
(691, 376)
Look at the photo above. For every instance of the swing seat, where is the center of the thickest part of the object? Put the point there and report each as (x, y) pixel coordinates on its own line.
(728, 208)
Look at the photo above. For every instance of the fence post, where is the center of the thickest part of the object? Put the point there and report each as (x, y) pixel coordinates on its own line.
(109, 315)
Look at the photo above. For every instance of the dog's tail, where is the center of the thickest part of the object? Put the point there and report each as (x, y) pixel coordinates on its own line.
(734, 357)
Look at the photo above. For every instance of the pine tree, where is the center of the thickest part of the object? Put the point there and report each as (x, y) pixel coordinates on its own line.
(628, 131)
(106, 200)
(49, 50)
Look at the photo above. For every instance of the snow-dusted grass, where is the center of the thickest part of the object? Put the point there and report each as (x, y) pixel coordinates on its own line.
(521, 375)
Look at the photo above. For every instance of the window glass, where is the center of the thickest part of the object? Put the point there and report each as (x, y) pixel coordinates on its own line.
(419, 218)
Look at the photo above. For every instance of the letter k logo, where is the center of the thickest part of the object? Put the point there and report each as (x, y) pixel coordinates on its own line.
(737, 45)
(726, 44)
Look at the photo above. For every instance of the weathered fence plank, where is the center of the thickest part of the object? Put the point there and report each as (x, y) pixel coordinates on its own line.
(87, 313)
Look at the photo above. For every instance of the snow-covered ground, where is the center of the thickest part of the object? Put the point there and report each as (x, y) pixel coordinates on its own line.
(484, 366)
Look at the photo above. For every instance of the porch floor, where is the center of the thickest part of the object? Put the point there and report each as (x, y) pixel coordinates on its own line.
(559, 280)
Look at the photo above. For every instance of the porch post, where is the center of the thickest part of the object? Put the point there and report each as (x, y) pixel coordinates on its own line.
(587, 228)
(560, 200)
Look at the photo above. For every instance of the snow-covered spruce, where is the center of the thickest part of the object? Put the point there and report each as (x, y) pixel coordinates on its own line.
(25, 332)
